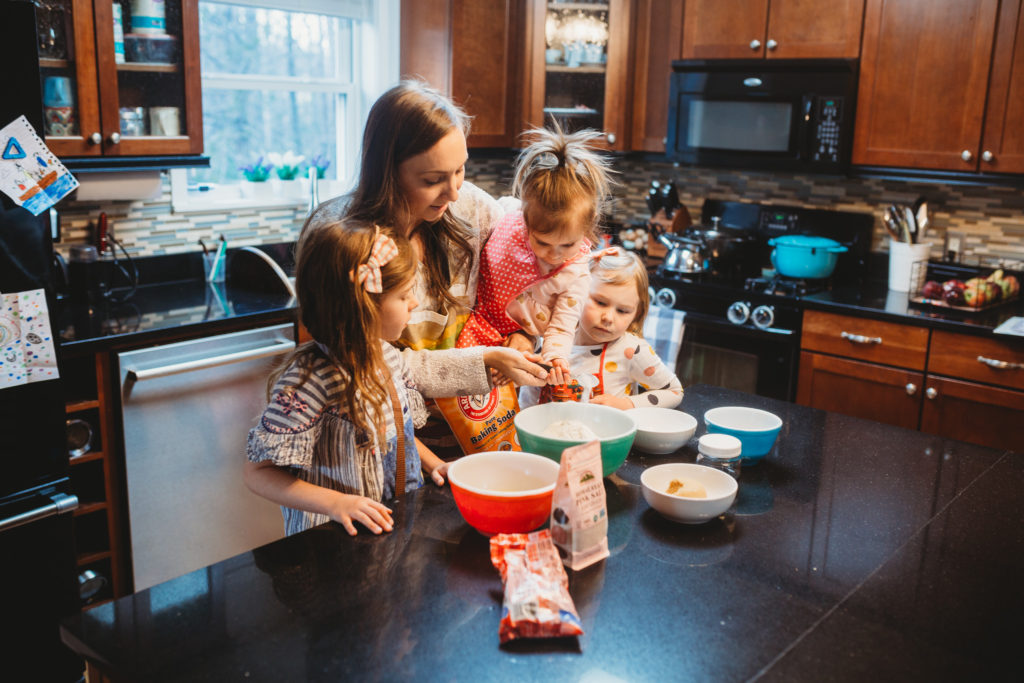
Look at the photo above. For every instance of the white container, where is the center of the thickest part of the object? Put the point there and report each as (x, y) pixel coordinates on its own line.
(148, 17)
(118, 33)
(164, 121)
(908, 265)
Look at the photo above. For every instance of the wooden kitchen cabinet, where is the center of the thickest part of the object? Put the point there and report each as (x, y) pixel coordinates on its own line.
(579, 90)
(95, 104)
(865, 390)
(926, 98)
(776, 29)
(657, 40)
(472, 51)
(957, 386)
(95, 474)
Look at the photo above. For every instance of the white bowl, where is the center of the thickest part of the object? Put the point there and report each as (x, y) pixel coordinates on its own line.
(721, 490)
(662, 430)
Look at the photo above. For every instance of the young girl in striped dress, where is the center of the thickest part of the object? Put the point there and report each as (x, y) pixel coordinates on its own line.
(336, 439)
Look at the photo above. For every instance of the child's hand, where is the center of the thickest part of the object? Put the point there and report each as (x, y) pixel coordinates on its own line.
(620, 402)
(515, 366)
(438, 474)
(351, 508)
(559, 374)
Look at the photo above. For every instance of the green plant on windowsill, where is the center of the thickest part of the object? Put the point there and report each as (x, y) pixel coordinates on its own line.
(321, 163)
(287, 164)
(256, 172)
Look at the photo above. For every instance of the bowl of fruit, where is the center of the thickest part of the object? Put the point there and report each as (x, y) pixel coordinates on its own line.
(972, 294)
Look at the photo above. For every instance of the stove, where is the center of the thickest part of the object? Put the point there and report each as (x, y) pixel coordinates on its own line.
(742, 326)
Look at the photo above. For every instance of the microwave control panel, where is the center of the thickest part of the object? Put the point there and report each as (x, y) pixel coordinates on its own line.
(828, 128)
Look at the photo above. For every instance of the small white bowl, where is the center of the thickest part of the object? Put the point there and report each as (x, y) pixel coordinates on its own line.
(662, 430)
(721, 490)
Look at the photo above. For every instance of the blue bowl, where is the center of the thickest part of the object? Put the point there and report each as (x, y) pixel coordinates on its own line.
(756, 429)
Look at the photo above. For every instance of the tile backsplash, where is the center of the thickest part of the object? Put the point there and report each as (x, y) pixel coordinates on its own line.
(992, 218)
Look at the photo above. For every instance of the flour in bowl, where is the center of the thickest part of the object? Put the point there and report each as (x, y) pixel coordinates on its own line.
(569, 429)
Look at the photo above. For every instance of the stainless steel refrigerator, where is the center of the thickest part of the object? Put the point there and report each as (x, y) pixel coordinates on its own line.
(37, 554)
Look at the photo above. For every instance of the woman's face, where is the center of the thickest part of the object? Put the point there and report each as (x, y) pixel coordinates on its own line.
(431, 180)
(396, 308)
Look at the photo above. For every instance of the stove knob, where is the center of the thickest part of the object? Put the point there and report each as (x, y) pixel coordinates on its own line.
(763, 317)
(666, 297)
(738, 313)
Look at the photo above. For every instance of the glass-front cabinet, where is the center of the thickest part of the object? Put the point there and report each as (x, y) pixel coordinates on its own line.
(120, 77)
(579, 59)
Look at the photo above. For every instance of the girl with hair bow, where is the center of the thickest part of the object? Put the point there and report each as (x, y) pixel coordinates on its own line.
(336, 439)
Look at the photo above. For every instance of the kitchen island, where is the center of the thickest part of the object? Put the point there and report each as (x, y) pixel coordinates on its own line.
(855, 550)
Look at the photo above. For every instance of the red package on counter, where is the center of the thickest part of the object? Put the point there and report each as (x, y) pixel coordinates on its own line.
(537, 602)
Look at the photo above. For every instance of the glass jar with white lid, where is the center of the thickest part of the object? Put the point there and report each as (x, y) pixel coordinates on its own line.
(720, 451)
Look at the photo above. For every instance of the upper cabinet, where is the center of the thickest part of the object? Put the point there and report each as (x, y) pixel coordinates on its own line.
(657, 40)
(776, 29)
(120, 77)
(577, 65)
(947, 95)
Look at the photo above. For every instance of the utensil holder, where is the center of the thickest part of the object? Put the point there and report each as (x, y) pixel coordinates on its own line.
(908, 265)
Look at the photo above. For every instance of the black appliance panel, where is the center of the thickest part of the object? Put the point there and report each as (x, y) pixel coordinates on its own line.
(769, 114)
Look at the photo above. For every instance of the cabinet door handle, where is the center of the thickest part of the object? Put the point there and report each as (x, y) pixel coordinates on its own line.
(931, 392)
(283, 346)
(1000, 364)
(966, 155)
(860, 338)
(755, 44)
(61, 503)
(95, 138)
(987, 156)
(610, 137)
(114, 138)
(771, 44)
(911, 389)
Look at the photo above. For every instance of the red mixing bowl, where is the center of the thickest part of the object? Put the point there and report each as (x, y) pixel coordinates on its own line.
(503, 492)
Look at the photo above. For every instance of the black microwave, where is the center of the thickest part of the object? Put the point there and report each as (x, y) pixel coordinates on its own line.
(790, 114)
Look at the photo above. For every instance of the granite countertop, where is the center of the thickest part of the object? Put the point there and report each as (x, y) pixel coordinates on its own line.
(879, 302)
(173, 300)
(854, 551)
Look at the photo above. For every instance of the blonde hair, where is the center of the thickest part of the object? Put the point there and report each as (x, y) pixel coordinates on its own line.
(404, 122)
(559, 176)
(622, 268)
(341, 316)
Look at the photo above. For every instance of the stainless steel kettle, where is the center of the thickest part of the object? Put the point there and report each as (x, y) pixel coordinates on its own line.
(685, 254)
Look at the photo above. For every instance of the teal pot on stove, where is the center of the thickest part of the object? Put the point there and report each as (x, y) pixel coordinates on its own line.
(805, 256)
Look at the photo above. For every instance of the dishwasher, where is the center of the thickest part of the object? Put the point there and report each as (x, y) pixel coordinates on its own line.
(187, 408)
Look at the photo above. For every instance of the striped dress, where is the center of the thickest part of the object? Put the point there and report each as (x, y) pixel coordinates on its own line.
(304, 430)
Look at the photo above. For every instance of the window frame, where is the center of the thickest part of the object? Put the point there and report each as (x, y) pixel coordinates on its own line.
(374, 68)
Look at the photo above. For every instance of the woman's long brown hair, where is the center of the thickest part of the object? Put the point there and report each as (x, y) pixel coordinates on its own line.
(405, 121)
(342, 317)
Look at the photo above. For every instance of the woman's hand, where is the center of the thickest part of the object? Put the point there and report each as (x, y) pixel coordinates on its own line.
(620, 402)
(349, 508)
(559, 374)
(516, 366)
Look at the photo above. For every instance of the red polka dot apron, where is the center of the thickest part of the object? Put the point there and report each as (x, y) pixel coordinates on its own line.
(507, 267)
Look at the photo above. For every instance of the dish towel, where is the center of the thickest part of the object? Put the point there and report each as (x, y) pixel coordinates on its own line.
(663, 329)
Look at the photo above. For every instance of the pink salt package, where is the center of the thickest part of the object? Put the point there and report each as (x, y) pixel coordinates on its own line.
(579, 513)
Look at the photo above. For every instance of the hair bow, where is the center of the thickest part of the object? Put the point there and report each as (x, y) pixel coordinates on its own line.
(368, 274)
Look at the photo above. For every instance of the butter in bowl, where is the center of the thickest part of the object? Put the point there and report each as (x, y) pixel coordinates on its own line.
(688, 493)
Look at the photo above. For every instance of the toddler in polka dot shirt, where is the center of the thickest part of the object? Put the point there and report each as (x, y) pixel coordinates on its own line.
(609, 345)
(534, 273)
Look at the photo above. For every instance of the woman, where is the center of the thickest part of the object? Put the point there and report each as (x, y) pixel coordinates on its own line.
(412, 180)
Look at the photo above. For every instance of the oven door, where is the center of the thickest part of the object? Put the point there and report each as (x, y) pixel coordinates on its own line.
(742, 357)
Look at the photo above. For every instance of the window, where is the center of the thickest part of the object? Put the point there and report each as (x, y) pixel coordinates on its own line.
(290, 76)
